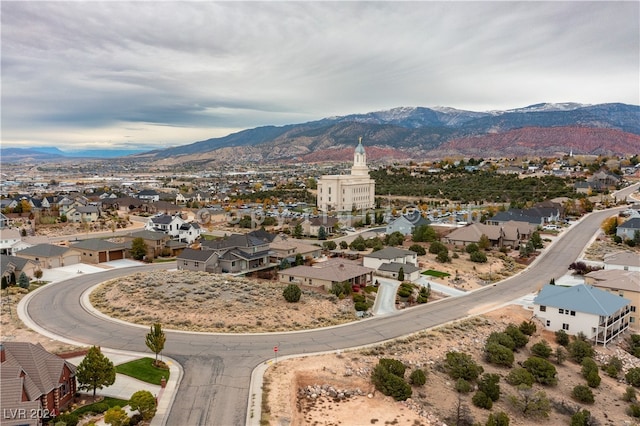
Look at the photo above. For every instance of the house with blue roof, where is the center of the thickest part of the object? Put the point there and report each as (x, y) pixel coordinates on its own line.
(601, 316)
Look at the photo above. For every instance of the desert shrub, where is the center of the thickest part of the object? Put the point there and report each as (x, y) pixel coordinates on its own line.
(580, 349)
(478, 257)
(519, 376)
(116, 416)
(530, 404)
(613, 367)
(542, 349)
(501, 338)
(489, 384)
(582, 418)
(498, 354)
(582, 393)
(461, 365)
(418, 249)
(463, 386)
(542, 370)
(390, 384)
(633, 343)
(528, 327)
(634, 410)
(480, 399)
(519, 338)
(443, 256)
(590, 372)
(292, 293)
(629, 394)
(437, 247)
(393, 366)
(473, 247)
(361, 306)
(417, 377)
(633, 376)
(136, 419)
(560, 355)
(562, 338)
(498, 419)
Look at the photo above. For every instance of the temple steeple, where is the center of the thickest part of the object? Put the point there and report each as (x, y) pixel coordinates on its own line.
(360, 160)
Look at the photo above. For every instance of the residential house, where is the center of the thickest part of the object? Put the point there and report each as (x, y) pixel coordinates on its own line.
(406, 224)
(312, 226)
(537, 216)
(628, 229)
(4, 221)
(83, 214)
(198, 260)
(325, 274)
(11, 241)
(156, 242)
(621, 283)
(625, 260)
(283, 247)
(13, 266)
(473, 232)
(389, 260)
(174, 226)
(163, 207)
(96, 250)
(240, 253)
(598, 314)
(47, 256)
(33, 379)
(149, 195)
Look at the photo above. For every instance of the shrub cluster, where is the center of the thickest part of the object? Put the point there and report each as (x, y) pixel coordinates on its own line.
(388, 378)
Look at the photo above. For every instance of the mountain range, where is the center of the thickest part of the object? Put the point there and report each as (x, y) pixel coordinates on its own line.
(420, 133)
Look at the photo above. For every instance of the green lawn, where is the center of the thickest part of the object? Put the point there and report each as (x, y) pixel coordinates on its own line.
(143, 369)
(111, 402)
(437, 274)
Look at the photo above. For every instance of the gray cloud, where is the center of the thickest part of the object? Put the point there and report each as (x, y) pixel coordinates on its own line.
(78, 72)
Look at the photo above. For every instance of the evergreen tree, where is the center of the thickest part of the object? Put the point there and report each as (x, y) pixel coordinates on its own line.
(297, 231)
(23, 280)
(95, 371)
(138, 249)
(401, 274)
(322, 233)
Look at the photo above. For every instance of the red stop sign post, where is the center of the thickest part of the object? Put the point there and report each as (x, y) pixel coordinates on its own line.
(275, 350)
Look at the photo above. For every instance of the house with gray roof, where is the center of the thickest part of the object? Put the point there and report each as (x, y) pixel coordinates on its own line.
(392, 270)
(600, 315)
(12, 266)
(33, 379)
(50, 256)
(156, 242)
(240, 253)
(198, 260)
(96, 250)
(390, 255)
(407, 223)
(628, 229)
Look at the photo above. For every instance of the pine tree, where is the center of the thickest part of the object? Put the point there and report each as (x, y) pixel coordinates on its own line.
(95, 371)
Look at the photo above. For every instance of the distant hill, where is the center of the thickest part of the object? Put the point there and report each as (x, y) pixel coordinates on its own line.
(419, 132)
(50, 153)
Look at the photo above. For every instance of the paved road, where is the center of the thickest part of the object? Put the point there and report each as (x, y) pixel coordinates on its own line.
(217, 368)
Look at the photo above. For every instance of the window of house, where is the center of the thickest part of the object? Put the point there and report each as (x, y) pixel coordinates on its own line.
(543, 308)
(64, 389)
(548, 323)
(632, 319)
(561, 311)
(633, 308)
(573, 313)
(197, 264)
(565, 326)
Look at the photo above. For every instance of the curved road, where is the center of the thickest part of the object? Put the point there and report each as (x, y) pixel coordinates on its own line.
(217, 367)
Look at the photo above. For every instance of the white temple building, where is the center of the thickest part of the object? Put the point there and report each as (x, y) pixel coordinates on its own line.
(347, 192)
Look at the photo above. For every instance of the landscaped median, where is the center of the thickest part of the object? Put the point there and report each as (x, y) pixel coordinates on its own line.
(144, 370)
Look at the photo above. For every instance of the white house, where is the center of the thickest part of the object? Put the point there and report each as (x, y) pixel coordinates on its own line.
(625, 260)
(174, 226)
(600, 315)
(388, 261)
(11, 241)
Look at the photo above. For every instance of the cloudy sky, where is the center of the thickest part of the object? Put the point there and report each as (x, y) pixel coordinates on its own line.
(156, 74)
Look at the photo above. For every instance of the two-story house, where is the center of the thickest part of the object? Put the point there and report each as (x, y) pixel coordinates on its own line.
(389, 260)
(621, 283)
(600, 315)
